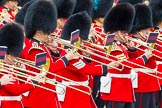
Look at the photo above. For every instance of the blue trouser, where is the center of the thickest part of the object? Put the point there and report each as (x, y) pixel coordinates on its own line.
(158, 98)
(144, 100)
(110, 104)
(96, 87)
(96, 94)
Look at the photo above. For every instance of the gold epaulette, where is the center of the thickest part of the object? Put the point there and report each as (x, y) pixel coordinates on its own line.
(121, 56)
(35, 46)
(45, 67)
(115, 47)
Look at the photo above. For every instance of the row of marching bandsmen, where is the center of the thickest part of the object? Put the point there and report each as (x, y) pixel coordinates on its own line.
(80, 54)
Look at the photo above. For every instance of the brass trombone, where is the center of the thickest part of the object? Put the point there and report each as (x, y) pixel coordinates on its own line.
(60, 41)
(14, 72)
(33, 78)
(140, 42)
(135, 64)
(153, 70)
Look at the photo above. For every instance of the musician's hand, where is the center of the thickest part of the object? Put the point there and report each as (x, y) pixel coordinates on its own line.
(72, 55)
(7, 79)
(39, 78)
(113, 64)
(92, 33)
(148, 54)
(20, 65)
(52, 45)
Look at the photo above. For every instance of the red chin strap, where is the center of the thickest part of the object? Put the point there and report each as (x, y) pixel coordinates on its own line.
(129, 35)
(152, 30)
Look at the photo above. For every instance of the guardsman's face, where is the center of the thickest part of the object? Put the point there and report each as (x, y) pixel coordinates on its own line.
(86, 53)
(45, 38)
(41, 36)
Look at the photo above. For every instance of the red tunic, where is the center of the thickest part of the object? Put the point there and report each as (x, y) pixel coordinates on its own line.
(159, 62)
(146, 83)
(13, 90)
(91, 77)
(159, 48)
(121, 88)
(38, 97)
(79, 71)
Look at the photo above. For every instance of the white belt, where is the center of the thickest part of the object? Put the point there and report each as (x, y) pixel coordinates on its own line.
(76, 83)
(143, 70)
(119, 75)
(158, 62)
(11, 98)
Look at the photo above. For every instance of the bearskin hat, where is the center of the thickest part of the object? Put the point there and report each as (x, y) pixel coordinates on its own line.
(11, 35)
(21, 3)
(101, 7)
(2, 2)
(20, 16)
(81, 21)
(133, 2)
(143, 18)
(84, 5)
(41, 15)
(65, 7)
(156, 6)
(119, 17)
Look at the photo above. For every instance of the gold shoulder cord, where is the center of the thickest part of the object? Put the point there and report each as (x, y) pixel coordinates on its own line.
(45, 69)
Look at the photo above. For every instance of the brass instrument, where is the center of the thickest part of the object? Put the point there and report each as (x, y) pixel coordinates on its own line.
(20, 74)
(142, 35)
(121, 36)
